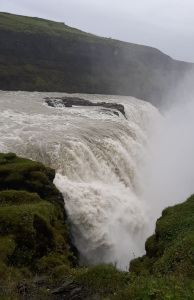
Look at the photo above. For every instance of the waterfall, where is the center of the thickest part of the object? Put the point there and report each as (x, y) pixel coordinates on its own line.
(97, 155)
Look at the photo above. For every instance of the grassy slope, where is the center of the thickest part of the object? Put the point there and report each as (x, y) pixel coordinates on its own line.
(38, 54)
(31, 25)
(171, 248)
(33, 232)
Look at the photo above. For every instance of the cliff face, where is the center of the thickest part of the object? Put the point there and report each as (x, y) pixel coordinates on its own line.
(42, 55)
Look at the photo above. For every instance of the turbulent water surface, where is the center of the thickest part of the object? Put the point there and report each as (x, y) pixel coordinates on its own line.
(98, 157)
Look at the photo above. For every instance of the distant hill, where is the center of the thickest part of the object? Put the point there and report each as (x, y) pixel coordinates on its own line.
(42, 55)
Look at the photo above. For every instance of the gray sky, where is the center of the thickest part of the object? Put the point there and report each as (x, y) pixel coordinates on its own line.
(164, 24)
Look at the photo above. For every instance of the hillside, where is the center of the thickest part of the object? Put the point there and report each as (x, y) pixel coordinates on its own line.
(42, 55)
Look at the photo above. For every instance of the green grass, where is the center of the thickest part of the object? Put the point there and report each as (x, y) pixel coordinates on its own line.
(30, 25)
(102, 279)
(156, 287)
(106, 282)
(14, 197)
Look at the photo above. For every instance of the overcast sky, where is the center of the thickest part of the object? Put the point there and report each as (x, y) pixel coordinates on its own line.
(164, 24)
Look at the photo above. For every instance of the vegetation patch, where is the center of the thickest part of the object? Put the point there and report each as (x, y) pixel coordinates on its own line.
(171, 248)
(33, 229)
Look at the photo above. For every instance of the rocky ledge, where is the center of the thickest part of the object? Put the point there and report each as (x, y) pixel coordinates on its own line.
(70, 101)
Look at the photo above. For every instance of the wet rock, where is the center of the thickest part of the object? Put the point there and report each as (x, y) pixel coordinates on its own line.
(23, 288)
(75, 291)
(70, 291)
(39, 281)
(63, 289)
(68, 105)
(116, 106)
(70, 101)
(109, 112)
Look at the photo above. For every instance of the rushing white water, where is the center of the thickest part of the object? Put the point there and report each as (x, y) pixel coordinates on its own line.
(97, 156)
(116, 174)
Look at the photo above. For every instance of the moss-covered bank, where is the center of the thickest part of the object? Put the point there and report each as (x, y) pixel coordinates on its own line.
(33, 230)
(171, 248)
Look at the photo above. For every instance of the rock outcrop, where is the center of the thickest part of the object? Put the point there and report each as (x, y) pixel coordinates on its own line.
(70, 101)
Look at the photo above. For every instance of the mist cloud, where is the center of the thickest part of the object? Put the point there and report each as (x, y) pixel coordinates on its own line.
(169, 173)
